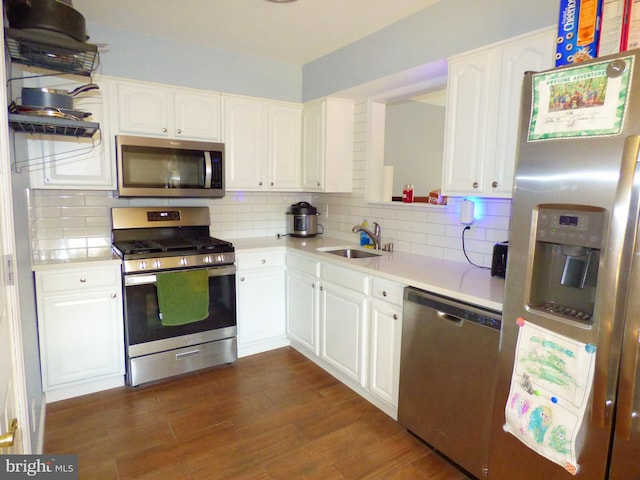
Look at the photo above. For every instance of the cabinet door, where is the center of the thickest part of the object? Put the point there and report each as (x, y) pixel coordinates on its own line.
(78, 163)
(471, 93)
(302, 310)
(81, 337)
(197, 115)
(261, 309)
(284, 146)
(313, 145)
(244, 135)
(343, 322)
(144, 109)
(386, 330)
(533, 53)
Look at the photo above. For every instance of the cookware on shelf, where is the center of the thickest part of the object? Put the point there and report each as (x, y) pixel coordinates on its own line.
(48, 17)
(38, 111)
(53, 97)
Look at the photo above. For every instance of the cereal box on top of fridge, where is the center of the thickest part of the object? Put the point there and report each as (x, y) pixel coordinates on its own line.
(578, 31)
(631, 38)
(612, 27)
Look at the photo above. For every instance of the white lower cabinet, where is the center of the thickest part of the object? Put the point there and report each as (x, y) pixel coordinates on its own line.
(80, 328)
(303, 287)
(344, 305)
(349, 323)
(260, 290)
(385, 340)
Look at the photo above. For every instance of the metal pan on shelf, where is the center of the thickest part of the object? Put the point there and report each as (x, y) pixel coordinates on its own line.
(48, 112)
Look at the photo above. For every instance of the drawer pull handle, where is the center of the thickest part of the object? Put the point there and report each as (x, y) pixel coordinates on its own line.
(263, 261)
(83, 280)
(189, 354)
(113, 295)
(395, 316)
(384, 293)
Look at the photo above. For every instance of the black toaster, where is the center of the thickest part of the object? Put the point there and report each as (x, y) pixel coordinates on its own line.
(499, 260)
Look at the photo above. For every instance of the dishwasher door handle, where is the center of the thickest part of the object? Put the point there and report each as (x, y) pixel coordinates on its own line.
(451, 318)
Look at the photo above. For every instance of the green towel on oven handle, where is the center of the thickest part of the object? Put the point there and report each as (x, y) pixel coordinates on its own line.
(183, 297)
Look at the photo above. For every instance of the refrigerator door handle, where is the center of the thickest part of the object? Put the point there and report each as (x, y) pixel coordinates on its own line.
(611, 309)
(625, 409)
(625, 403)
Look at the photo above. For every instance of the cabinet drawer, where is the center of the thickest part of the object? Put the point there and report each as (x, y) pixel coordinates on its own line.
(266, 259)
(346, 278)
(78, 279)
(388, 291)
(302, 264)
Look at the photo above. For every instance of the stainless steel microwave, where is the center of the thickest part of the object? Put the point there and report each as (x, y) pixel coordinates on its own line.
(162, 167)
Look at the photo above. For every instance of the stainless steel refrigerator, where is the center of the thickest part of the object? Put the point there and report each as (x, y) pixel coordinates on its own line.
(567, 401)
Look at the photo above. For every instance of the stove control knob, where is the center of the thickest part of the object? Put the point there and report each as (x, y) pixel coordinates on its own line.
(184, 261)
(207, 259)
(157, 264)
(142, 265)
(220, 258)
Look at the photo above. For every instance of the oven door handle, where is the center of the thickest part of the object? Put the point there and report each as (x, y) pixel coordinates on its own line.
(147, 278)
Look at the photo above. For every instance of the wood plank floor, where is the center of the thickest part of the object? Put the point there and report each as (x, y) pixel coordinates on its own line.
(270, 416)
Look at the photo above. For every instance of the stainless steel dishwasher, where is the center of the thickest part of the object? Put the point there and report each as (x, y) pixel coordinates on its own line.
(447, 373)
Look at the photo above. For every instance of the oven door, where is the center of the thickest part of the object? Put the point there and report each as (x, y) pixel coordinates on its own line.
(145, 334)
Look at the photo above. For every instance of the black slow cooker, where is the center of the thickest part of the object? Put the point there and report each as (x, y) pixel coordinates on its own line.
(302, 220)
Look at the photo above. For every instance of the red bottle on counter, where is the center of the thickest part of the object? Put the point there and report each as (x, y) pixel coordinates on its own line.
(407, 194)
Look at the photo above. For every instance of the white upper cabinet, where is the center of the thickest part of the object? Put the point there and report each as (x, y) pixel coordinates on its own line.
(60, 162)
(483, 108)
(143, 108)
(197, 114)
(327, 145)
(284, 145)
(262, 143)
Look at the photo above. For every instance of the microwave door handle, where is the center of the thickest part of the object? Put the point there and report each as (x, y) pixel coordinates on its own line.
(208, 171)
(616, 272)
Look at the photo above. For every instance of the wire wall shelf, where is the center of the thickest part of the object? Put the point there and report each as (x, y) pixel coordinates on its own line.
(52, 126)
(61, 54)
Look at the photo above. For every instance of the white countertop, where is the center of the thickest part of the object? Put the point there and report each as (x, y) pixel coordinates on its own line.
(461, 281)
(99, 258)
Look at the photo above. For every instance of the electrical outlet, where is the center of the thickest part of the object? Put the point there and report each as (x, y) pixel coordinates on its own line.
(326, 210)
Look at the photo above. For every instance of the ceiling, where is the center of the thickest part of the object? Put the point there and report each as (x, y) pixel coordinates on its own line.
(297, 32)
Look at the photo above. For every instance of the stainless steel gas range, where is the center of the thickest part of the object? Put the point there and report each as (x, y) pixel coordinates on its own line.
(179, 291)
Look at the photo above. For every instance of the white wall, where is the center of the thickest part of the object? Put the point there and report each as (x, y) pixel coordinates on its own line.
(156, 59)
(436, 32)
(413, 145)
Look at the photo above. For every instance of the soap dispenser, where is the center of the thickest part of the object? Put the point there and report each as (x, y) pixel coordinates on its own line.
(364, 238)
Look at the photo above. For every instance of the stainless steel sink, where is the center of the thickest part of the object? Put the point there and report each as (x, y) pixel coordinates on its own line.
(352, 253)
